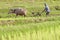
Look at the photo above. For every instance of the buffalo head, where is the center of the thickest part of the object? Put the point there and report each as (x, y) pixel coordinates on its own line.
(11, 11)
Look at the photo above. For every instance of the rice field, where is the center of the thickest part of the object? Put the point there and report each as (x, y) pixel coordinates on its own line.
(49, 30)
(30, 27)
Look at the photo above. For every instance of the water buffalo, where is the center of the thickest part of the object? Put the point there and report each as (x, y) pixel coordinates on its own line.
(18, 11)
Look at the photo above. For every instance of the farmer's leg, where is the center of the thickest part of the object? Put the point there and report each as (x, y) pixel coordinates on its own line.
(47, 13)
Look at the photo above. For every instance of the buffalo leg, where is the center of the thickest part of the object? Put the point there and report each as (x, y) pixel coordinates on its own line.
(16, 15)
(24, 15)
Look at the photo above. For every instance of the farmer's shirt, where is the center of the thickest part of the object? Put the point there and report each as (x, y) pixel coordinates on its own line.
(47, 8)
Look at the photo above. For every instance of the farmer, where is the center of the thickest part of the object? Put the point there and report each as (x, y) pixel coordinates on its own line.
(46, 9)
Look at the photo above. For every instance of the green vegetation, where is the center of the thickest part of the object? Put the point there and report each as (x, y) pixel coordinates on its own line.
(29, 28)
(33, 31)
